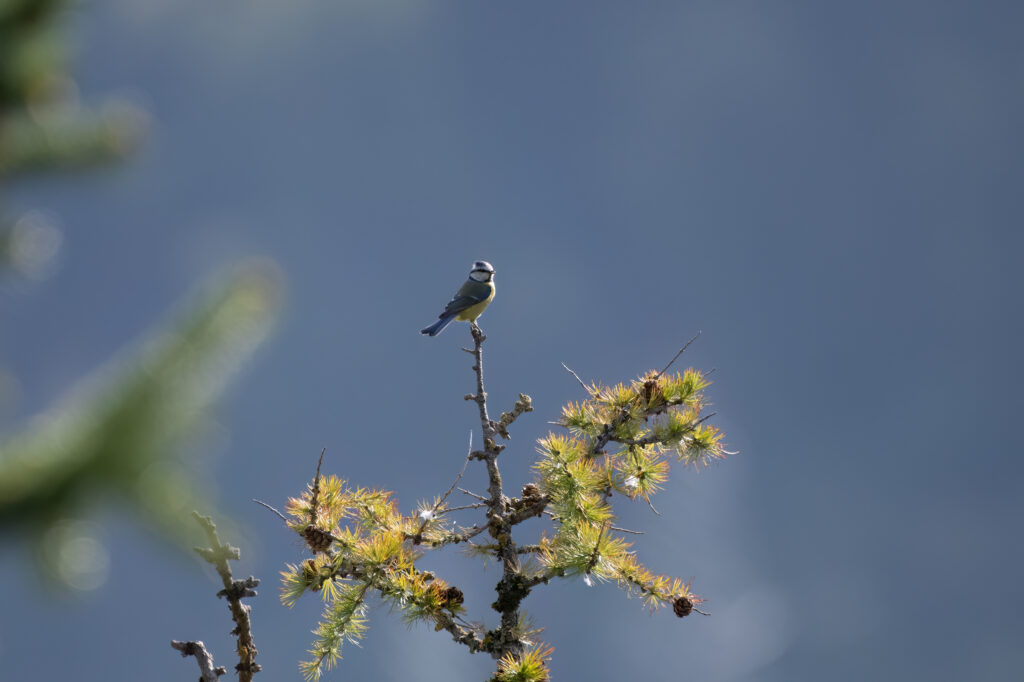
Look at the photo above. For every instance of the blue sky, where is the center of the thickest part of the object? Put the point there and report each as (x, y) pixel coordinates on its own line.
(829, 192)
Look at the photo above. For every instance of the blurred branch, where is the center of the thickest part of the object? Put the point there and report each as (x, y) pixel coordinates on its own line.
(120, 431)
(41, 122)
(43, 125)
(68, 137)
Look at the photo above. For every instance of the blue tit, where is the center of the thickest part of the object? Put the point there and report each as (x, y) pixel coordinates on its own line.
(469, 301)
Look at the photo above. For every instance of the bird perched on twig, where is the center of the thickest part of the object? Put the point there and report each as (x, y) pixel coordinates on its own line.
(469, 301)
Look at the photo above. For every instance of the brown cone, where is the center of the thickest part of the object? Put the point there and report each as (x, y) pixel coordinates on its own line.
(682, 606)
(453, 596)
(317, 539)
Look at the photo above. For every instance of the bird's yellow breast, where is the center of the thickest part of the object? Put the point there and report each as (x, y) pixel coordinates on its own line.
(472, 312)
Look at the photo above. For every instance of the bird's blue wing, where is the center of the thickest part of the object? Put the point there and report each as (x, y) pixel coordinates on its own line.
(469, 295)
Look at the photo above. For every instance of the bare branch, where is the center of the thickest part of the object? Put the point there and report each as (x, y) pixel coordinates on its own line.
(417, 537)
(234, 591)
(490, 452)
(477, 505)
(577, 378)
(207, 671)
(510, 593)
(318, 463)
(472, 494)
(469, 455)
(264, 504)
(676, 356)
(524, 404)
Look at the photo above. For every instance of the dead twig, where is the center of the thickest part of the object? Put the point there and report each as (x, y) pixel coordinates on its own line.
(218, 554)
(585, 388)
(472, 494)
(676, 356)
(264, 504)
(428, 514)
(207, 671)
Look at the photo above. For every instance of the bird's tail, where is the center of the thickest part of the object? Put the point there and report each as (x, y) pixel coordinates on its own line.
(439, 326)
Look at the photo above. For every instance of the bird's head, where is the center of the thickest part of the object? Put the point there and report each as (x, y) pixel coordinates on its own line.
(482, 271)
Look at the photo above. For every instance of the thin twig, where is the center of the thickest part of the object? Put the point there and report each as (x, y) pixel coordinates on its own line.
(264, 504)
(477, 505)
(469, 455)
(676, 357)
(577, 378)
(462, 620)
(651, 505)
(318, 463)
(472, 494)
(417, 537)
(621, 530)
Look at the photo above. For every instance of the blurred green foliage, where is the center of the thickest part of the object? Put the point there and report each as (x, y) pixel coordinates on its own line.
(121, 433)
(42, 124)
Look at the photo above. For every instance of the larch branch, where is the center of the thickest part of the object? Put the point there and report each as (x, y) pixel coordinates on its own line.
(234, 591)
(207, 671)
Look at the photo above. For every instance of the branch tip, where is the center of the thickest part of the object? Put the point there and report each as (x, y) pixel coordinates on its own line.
(577, 378)
(264, 504)
(676, 356)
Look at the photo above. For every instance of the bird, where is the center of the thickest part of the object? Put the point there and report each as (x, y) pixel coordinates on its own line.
(469, 301)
